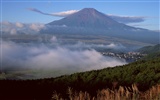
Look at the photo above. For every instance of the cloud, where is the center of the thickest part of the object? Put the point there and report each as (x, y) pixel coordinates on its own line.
(53, 39)
(38, 11)
(8, 27)
(59, 14)
(42, 57)
(127, 19)
(81, 45)
(115, 46)
(121, 19)
(5, 23)
(66, 13)
(13, 31)
(16, 28)
(20, 25)
(36, 27)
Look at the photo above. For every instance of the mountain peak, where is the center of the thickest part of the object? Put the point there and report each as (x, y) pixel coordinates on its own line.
(87, 17)
(89, 9)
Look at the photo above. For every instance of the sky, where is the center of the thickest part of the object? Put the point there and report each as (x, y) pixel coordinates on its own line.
(24, 10)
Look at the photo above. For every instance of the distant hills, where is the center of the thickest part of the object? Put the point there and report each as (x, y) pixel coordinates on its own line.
(151, 51)
(89, 21)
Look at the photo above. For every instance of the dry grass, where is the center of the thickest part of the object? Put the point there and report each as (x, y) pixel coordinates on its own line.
(123, 93)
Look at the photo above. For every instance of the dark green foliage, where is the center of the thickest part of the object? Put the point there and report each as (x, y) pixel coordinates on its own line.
(152, 55)
(145, 73)
(150, 49)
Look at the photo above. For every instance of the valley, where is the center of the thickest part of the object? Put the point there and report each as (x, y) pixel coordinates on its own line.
(72, 39)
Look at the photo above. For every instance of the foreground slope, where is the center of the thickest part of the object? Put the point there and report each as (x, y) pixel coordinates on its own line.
(144, 73)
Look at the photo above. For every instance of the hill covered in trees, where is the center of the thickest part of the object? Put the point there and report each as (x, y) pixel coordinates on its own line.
(151, 51)
(143, 73)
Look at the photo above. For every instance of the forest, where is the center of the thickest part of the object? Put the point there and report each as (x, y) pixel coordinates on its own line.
(143, 73)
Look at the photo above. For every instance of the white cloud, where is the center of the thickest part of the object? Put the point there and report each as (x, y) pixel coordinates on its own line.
(13, 31)
(59, 14)
(80, 45)
(53, 39)
(36, 27)
(127, 19)
(53, 58)
(65, 13)
(18, 24)
(5, 23)
(16, 28)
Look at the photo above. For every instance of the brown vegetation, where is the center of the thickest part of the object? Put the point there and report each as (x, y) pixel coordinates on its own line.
(122, 93)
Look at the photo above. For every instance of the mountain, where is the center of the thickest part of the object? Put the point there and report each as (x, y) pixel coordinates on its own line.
(88, 18)
(92, 22)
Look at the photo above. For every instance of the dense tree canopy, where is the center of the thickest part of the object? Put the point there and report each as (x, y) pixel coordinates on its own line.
(145, 73)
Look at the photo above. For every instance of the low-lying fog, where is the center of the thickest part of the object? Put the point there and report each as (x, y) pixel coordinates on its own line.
(39, 60)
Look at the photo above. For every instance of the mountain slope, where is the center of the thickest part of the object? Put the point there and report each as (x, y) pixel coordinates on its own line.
(89, 21)
(144, 73)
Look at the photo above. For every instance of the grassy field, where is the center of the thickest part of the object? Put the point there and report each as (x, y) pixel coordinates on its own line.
(122, 93)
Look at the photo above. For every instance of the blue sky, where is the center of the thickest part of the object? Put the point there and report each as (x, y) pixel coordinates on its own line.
(17, 10)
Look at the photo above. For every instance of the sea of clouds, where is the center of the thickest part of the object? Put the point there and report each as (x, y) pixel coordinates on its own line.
(52, 56)
(17, 56)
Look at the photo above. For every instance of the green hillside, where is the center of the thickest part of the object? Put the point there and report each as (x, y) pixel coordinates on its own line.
(149, 49)
(144, 73)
